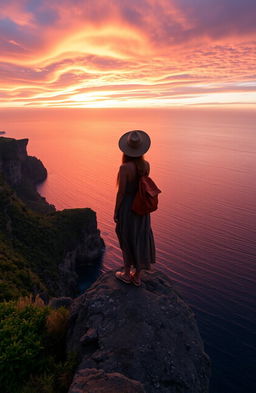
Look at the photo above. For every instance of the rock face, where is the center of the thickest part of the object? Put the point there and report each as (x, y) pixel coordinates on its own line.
(23, 173)
(34, 169)
(85, 249)
(148, 334)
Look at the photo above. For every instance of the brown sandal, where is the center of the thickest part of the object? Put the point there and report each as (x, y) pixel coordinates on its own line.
(120, 276)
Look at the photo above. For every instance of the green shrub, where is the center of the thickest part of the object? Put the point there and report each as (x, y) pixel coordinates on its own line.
(21, 334)
(32, 356)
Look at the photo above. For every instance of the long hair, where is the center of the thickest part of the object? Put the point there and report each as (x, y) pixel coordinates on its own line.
(139, 162)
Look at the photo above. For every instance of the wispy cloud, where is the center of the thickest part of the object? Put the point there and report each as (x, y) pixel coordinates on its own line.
(127, 53)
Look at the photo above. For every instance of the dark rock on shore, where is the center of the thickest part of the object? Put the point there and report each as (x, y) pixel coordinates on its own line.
(148, 334)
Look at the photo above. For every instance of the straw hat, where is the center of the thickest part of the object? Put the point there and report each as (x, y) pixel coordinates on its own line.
(134, 143)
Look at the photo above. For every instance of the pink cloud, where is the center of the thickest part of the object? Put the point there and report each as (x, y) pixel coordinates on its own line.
(55, 50)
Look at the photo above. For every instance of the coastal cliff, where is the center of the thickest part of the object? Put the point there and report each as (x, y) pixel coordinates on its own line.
(147, 335)
(41, 250)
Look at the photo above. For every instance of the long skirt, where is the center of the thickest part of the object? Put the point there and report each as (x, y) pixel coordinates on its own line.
(135, 236)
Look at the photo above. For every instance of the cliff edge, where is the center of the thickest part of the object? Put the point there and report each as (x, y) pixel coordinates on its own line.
(147, 335)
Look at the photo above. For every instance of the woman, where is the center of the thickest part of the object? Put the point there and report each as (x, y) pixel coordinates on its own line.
(133, 231)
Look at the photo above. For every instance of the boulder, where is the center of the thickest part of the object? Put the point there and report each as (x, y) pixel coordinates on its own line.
(148, 334)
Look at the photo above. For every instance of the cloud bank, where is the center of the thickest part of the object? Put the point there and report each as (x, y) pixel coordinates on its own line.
(98, 53)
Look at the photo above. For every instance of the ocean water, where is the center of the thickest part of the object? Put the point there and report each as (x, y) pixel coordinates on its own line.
(204, 161)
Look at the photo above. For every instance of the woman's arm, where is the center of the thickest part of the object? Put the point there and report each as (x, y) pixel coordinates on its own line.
(121, 189)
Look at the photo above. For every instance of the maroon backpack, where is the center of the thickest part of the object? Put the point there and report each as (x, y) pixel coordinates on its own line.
(146, 198)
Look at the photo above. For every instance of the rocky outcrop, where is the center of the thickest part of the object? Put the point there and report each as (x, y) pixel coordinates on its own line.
(147, 334)
(23, 173)
(34, 169)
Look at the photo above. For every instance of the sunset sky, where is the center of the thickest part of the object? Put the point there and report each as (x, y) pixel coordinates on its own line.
(127, 53)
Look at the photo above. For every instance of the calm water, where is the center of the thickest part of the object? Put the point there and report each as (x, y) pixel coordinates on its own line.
(205, 164)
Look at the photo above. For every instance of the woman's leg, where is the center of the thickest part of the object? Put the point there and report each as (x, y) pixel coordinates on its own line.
(127, 264)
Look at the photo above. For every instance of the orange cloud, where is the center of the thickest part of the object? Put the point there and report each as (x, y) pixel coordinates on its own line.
(123, 53)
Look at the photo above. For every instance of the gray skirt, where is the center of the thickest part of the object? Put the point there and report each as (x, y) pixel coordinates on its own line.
(135, 236)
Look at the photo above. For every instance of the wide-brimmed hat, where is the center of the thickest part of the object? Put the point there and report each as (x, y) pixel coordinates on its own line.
(134, 143)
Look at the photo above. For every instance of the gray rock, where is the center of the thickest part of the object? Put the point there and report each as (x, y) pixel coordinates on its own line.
(149, 334)
(97, 381)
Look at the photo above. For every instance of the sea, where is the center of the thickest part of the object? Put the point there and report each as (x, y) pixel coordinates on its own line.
(204, 161)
